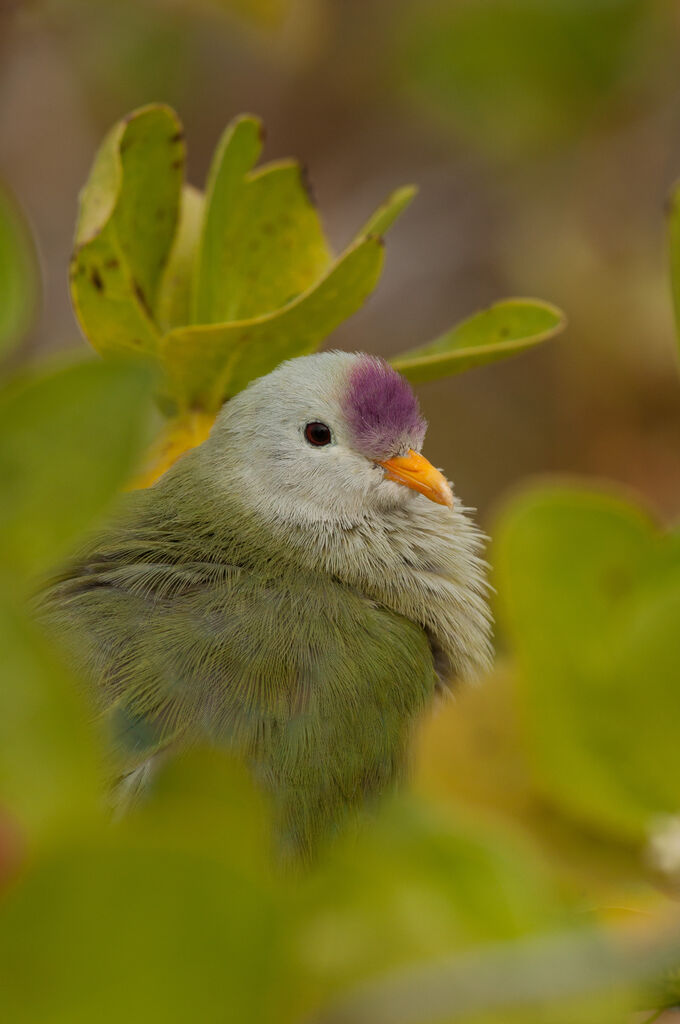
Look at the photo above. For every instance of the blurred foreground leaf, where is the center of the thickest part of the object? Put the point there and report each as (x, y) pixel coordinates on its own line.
(49, 768)
(172, 915)
(125, 931)
(18, 274)
(590, 594)
(69, 440)
(418, 883)
(205, 800)
(473, 751)
(503, 330)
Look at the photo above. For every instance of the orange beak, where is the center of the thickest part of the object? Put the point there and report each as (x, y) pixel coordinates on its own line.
(416, 472)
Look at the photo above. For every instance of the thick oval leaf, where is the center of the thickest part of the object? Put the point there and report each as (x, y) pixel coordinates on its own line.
(128, 217)
(18, 274)
(590, 593)
(503, 330)
(68, 441)
(49, 769)
(206, 364)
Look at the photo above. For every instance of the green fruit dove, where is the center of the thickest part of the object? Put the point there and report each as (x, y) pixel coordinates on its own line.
(295, 589)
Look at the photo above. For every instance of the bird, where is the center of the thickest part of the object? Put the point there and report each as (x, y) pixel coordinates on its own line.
(297, 590)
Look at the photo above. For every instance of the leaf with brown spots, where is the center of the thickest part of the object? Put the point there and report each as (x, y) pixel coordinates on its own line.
(127, 222)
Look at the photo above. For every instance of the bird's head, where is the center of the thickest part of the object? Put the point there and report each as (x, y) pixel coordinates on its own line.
(334, 435)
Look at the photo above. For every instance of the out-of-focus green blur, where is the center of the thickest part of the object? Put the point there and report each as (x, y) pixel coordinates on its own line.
(526, 877)
(543, 135)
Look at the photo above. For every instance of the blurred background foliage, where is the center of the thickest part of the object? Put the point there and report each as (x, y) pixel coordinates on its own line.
(533, 873)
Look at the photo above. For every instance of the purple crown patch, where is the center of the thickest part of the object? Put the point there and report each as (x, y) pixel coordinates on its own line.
(382, 410)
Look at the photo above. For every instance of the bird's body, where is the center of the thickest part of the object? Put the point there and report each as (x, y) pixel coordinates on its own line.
(283, 597)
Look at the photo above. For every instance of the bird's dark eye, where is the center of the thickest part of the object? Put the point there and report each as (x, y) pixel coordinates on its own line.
(318, 434)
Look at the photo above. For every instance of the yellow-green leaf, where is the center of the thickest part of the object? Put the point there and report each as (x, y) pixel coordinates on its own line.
(590, 594)
(123, 929)
(128, 217)
(18, 273)
(49, 771)
(206, 364)
(502, 330)
(262, 240)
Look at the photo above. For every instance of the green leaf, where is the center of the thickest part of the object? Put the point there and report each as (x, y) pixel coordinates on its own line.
(386, 214)
(502, 330)
(128, 216)
(590, 593)
(674, 233)
(236, 153)
(262, 242)
(49, 771)
(68, 441)
(18, 274)
(483, 727)
(127, 930)
(171, 915)
(416, 883)
(174, 294)
(206, 364)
